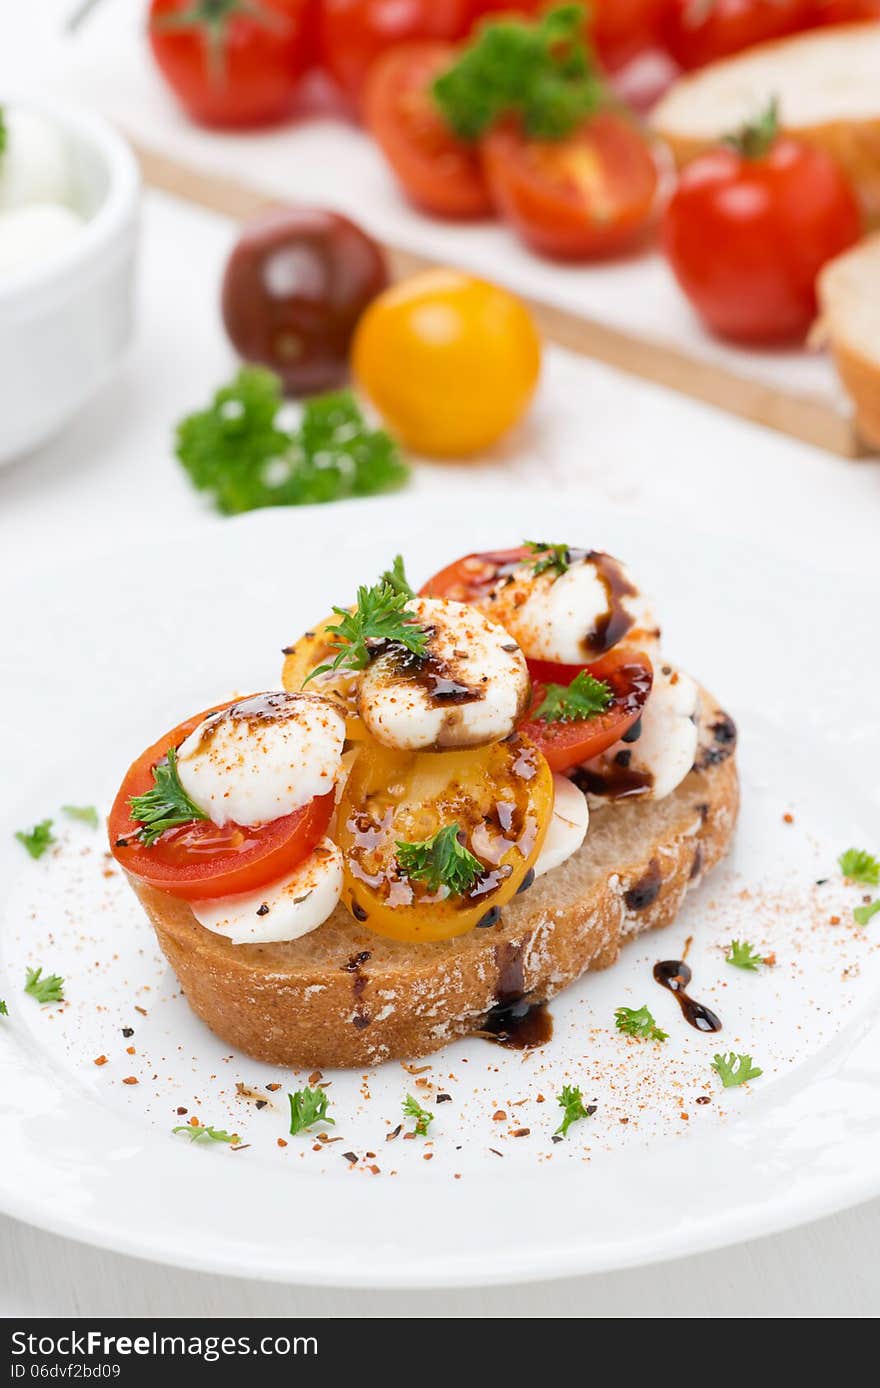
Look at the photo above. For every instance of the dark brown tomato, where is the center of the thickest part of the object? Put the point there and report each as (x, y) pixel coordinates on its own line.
(295, 285)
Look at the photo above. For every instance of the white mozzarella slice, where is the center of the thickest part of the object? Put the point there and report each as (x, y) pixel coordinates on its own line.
(469, 689)
(262, 757)
(31, 234)
(35, 164)
(568, 827)
(573, 617)
(284, 910)
(665, 750)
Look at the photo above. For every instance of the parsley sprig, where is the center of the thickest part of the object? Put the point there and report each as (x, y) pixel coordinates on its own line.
(205, 1134)
(440, 861)
(166, 805)
(413, 1109)
(541, 70)
(307, 1107)
(2, 131)
(4, 1010)
(555, 557)
(84, 814)
(38, 839)
(571, 1102)
(741, 955)
(585, 697)
(239, 452)
(857, 865)
(396, 578)
(862, 914)
(638, 1022)
(734, 1069)
(49, 989)
(380, 618)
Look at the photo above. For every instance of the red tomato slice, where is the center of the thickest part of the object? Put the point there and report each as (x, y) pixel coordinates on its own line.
(565, 745)
(589, 195)
(439, 173)
(199, 860)
(470, 578)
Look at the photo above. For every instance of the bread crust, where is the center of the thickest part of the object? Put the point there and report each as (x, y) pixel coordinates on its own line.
(343, 996)
(843, 284)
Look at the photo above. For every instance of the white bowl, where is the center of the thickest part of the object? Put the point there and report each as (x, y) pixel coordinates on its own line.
(66, 320)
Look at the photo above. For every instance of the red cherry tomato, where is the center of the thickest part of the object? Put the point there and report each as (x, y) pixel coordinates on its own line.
(354, 33)
(471, 578)
(294, 288)
(629, 675)
(200, 860)
(233, 63)
(438, 173)
(842, 11)
(588, 195)
(746, 237)
(696, 32)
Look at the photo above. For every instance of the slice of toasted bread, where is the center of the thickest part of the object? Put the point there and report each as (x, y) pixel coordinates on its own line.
(849, 301)
(343, 996)
(827, 83)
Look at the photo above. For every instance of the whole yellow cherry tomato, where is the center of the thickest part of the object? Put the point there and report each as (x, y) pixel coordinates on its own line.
(449, 361)
(500, 800)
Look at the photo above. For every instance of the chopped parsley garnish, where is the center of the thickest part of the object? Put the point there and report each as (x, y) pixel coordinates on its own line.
(638, 1022)
(735, 1069)
(85, 814)
(440, 861)
(199, 1133)
(858, 865)
(166, 805)
(396, 578)
(38, 839)
(413, 1109)
(585, 697)
(238, 451)
(555, 557)
(49, 989)
(742, 956)
(4, 1010)
(307, 1107)
(573, 1110)
(380, 618)
(862, 914)
(542, 70)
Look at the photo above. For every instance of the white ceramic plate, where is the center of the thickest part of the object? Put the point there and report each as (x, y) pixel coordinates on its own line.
(107, 652)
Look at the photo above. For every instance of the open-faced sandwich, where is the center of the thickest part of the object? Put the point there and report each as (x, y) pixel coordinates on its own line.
(461, 801)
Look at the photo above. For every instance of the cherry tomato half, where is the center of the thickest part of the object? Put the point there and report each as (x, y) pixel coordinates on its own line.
(449, 361)
(629, 675)
(200, 860)
(354, 33)
(438, 173)
(472, 577)
(500, 797)
(579, 198)
(234, 63)
(746, 237)
(294, 288)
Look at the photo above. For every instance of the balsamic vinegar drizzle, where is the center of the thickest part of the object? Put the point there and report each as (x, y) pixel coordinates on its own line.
(675, 975)
(514, 1021)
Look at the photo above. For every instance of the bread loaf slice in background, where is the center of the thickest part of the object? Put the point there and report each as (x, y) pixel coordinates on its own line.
(849, 302)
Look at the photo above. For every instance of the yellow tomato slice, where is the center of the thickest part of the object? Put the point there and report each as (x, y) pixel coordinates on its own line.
(315, 647)
(501, 799)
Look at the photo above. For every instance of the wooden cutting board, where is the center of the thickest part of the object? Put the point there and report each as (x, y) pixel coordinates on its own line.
(817, 419)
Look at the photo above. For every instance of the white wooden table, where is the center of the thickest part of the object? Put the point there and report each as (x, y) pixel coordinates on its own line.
(112, 476)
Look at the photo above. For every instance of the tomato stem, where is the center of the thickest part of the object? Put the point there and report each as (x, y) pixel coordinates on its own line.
(755, 138)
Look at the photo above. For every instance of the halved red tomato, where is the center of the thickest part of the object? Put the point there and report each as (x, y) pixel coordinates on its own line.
(588, 195)
(199, 860)
(629, 675)
(438, 173)
(470, 578)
